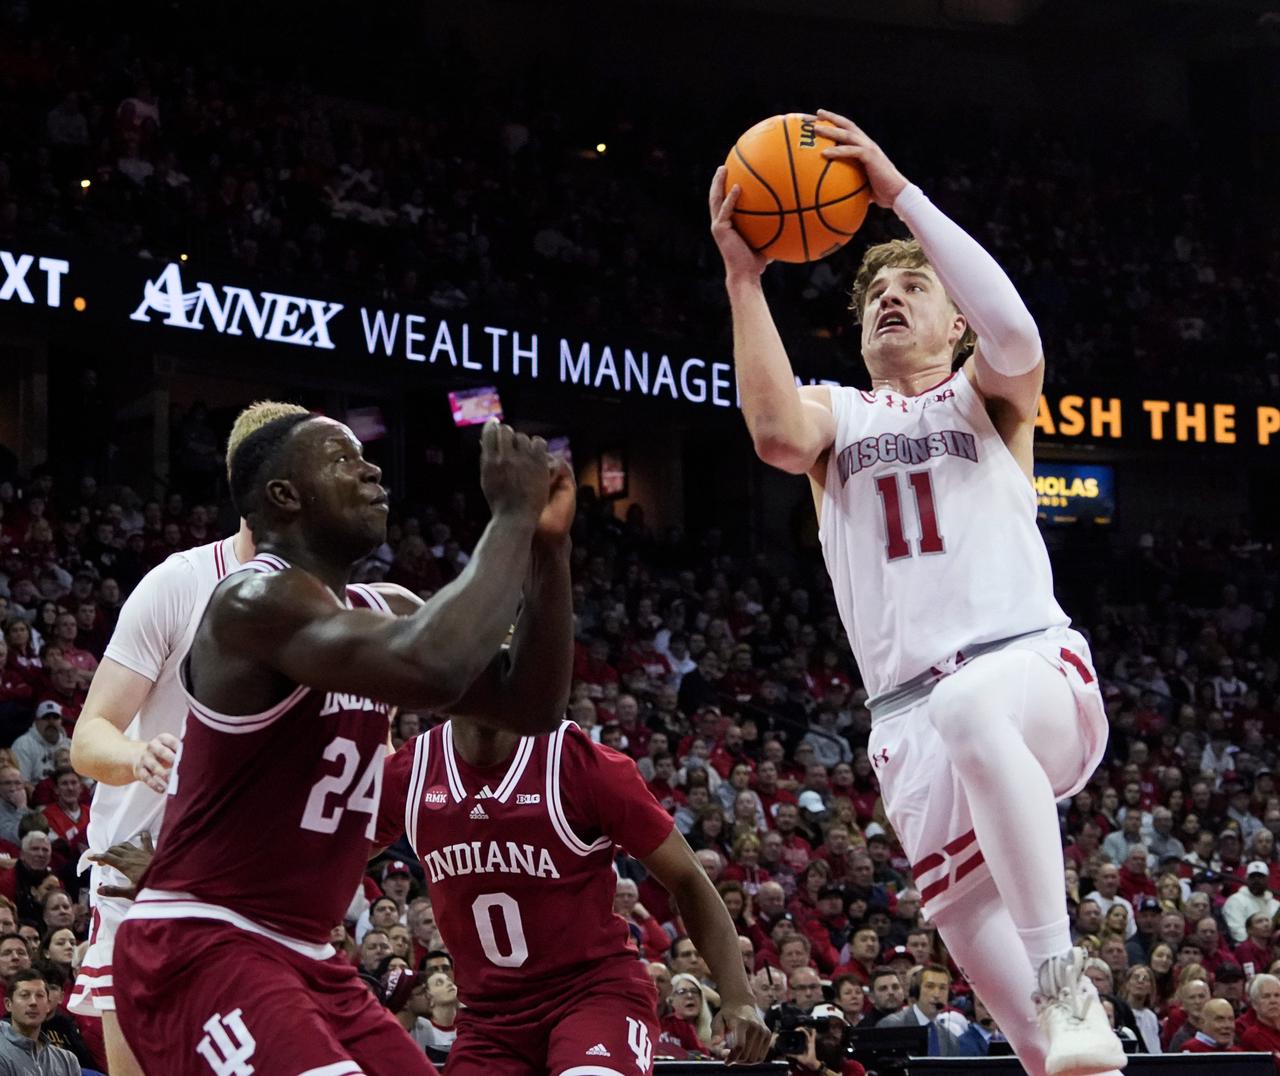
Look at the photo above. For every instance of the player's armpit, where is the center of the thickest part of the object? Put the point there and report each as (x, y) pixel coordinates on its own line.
(403, 601)
(99, 748)
(1019, 392)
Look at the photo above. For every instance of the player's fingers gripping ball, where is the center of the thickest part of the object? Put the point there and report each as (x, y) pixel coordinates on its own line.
(795, 205)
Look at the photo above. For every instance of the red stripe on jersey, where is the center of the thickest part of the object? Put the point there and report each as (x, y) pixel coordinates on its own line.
(1075, 661)
(933, 889)
(970, 864)
(927, 864)
(959, 844)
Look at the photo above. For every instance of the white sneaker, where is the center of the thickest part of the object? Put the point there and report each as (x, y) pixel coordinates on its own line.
(1081, 1042)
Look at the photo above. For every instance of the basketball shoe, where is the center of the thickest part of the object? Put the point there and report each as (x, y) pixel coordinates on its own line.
(1081, 1042)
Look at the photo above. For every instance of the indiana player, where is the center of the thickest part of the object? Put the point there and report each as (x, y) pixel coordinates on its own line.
(128, 731)
(275, 793)
(517, 838)
(984, 703)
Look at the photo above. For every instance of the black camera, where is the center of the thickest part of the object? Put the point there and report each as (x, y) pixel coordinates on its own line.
(787, 1022)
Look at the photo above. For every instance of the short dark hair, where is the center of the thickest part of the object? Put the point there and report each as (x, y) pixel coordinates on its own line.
(14, 934)
(50, 973)
(26, 975)
(676, 941)
(878, 972)
(434, 955)
(255, 452)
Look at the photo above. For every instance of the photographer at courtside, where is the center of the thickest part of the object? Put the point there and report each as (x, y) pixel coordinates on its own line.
(813, 1042)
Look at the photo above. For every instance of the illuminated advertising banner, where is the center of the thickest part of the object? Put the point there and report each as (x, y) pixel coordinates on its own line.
(174, 304)
(1067, 493)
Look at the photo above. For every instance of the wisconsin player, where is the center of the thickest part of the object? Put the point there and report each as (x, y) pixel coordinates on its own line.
(127, 735)
(275, 793)
(517, 837)
(985, 708)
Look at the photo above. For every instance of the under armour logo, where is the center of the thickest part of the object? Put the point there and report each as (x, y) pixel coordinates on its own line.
(881, 757)
(227, 1046)
(641, 1046)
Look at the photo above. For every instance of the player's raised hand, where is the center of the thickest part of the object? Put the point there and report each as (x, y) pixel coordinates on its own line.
(131, 860)
(738, 257)
(744, 1033)
(853, 142)
(513, 471)
(157, 758)
(562, 504)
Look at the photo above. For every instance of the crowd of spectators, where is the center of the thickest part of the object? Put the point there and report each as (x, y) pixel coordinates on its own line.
(1137, 260)
(726, 675)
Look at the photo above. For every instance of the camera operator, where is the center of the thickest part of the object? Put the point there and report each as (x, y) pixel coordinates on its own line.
(823, 1052)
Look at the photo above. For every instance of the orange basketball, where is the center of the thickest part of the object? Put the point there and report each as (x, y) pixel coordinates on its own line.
(795, 205)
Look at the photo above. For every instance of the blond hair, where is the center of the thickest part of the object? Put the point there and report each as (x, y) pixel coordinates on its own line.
(900, 254)
(254, 417)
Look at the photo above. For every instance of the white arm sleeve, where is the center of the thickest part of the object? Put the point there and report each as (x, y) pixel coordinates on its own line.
(1006, 331)
(154, 618)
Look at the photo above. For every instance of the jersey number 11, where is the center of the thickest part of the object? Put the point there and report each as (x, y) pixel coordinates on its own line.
(896, 544)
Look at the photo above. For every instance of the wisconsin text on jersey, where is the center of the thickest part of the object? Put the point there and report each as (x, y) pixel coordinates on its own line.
(899, 448)
(499, 858)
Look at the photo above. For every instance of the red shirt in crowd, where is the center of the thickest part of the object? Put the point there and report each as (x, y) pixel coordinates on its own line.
(1262, 1038)
(1253, 958)
(1197, 1045)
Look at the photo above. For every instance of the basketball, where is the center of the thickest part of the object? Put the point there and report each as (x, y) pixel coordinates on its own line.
(796, 205)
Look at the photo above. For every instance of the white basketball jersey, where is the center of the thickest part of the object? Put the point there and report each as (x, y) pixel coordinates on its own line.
(929, 531)
(152, 636)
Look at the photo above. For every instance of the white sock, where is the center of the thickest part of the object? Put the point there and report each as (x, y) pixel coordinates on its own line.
(1045, 942)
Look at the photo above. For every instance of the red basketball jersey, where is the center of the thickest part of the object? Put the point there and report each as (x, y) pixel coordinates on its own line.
(271, 815)
(520, 858)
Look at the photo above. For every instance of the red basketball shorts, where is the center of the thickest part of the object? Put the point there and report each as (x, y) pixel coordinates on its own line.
(202, 998)
(599, 1026)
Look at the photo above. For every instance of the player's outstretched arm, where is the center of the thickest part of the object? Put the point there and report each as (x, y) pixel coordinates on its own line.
(526, 689)
(1008, 361)
(293, 624)
(789, 431)
(678, 870)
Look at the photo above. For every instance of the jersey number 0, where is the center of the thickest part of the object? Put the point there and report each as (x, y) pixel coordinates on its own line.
(896, 544)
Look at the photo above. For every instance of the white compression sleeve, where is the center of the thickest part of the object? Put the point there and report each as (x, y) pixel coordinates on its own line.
(1007, 333)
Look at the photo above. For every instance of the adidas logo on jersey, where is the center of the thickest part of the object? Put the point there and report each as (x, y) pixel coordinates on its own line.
(478, 812)
(484, 794)
(599, 1050)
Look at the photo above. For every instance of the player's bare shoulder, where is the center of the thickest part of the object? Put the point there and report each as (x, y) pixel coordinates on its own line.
(248, 603)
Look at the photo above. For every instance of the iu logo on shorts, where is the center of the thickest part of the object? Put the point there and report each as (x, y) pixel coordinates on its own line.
(641, 1046)
(227, 1045)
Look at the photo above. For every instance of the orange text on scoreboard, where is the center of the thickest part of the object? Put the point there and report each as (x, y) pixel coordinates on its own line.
(1111, 418)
